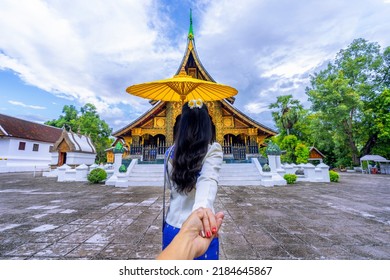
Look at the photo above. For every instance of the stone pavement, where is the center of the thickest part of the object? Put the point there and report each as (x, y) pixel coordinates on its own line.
(43, 219)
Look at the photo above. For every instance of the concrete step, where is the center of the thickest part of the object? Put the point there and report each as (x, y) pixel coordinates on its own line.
(239, 178)
(240, 183)
(148, 167)
(236, 173)
(146, 174)
(145, 179)
(145, 184)
(242, 174)
(239, 174)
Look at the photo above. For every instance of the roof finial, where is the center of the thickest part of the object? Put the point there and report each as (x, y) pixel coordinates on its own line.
(191, 31)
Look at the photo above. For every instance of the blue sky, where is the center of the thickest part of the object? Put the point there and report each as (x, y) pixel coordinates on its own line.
(55, 53)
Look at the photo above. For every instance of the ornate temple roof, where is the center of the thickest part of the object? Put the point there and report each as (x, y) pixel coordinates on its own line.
(157, 107)
(237, 112)
(76, 142)
(193, 67)
(191, 61)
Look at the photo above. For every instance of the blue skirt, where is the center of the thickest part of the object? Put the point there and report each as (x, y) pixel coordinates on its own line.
(212, 253)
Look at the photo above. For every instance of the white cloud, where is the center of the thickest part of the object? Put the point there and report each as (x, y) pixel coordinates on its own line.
(84, 52)
(256, 108)
(260, 47)
(17, 103)
(92, 53)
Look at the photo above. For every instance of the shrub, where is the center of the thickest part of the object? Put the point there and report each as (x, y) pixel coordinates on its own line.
(290, 178)
(289, 144)
(302, 153)
(334, 176)
(97, 175)
(122, 169)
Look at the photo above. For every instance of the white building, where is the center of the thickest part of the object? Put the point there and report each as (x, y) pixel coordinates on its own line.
(25, 145)
(72, 149)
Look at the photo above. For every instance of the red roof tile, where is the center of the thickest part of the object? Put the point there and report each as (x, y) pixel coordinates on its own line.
(19, 128)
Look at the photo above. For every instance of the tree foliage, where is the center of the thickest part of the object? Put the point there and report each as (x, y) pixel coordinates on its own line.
(87, 122)
(302, 153)
(288, 113)
(288, 145)
(350, 109)
(350, 99)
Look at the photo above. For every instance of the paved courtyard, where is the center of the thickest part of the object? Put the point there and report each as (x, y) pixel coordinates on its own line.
(43, 219)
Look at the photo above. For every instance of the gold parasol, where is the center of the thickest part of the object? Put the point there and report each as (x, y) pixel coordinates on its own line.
(182, 88)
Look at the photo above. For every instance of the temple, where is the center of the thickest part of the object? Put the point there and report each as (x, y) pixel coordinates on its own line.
(148, 136)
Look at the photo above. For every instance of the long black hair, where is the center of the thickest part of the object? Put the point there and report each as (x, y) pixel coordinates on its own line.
(191, 144)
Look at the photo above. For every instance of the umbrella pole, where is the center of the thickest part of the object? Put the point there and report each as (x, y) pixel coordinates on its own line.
(183, 98)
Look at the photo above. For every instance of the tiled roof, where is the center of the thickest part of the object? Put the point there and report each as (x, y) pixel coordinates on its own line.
(14, 127)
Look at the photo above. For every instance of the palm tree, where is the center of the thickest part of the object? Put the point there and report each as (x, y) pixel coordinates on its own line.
(288, 112)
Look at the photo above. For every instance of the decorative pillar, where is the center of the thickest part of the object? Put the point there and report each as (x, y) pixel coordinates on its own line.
(309, 171)
(324, 171)
(61, 172)
(272, 162)
(136, 135)
(170, 122)
(216, 113)
(118, 152)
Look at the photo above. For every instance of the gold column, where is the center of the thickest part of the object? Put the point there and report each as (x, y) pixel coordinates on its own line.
(218, 122)
(135, 140)
(136, 133)
(170, 122)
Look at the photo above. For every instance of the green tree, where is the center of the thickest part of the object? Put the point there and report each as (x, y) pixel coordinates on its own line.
(347, 96)
(87, 122)
(68, 119)
(287, 114)
(302, 153)
(288, 145)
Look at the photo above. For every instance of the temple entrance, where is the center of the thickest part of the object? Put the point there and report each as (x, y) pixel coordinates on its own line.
(155, 141)
(235, 145)
(235, 140)
(238, 146)
(151, 147)
(61, 158)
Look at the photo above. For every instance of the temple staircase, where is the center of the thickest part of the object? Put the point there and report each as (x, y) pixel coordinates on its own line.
(239, 174)
(151, 175)
(232, 174)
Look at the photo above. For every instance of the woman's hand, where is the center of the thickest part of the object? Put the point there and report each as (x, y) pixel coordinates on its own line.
(195, 235)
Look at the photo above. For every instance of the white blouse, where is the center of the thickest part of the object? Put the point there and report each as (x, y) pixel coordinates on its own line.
(203, 195)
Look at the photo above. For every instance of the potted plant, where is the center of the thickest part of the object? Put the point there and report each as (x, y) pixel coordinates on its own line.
(266, 168)
(122, 169)
(273, 149)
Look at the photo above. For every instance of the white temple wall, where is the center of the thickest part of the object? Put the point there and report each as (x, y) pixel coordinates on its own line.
(79, 158)
(15, 160)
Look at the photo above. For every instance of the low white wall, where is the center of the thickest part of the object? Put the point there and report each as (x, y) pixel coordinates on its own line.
(319, 173)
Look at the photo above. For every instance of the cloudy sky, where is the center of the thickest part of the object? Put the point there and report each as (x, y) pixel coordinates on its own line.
(56, 52)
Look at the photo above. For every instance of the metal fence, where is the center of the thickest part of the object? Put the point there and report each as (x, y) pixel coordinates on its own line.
(150, 152)
(239, 152)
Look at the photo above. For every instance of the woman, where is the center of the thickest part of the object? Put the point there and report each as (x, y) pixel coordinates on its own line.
(193, 165)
